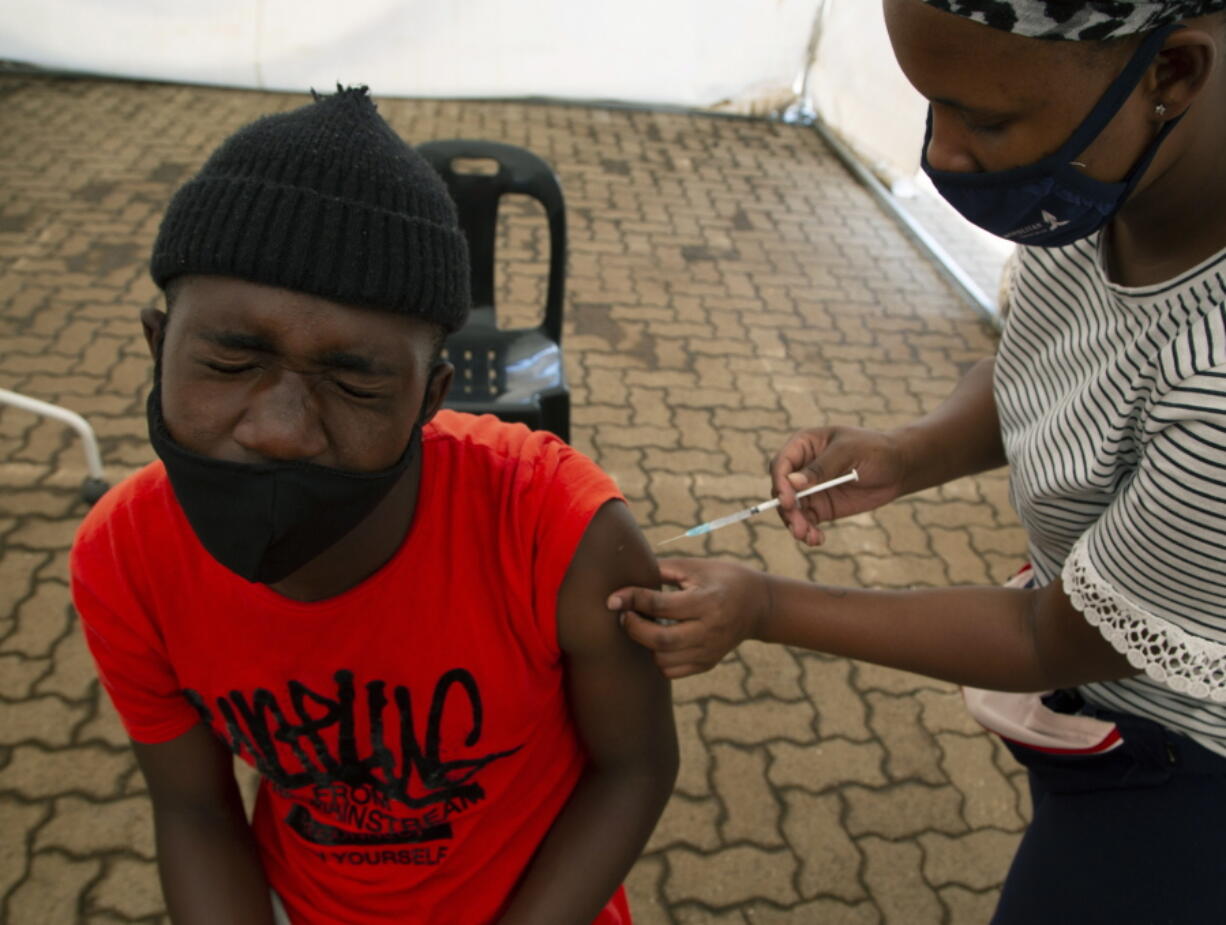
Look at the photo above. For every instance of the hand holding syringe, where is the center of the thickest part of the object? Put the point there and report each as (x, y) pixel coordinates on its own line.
(710, 525)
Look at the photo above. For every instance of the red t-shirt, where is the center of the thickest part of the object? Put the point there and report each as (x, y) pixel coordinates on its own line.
(412, 733)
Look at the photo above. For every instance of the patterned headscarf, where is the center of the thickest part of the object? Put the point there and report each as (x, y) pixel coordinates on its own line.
(1076, 20)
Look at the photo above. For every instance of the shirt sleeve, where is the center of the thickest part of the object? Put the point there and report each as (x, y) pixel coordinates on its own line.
(569, 489)
(1151, 572)
(123, 638)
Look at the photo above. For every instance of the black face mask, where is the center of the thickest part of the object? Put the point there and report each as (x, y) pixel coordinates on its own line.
(264, 521)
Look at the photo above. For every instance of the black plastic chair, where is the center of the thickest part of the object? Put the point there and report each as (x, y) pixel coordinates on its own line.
(517, 373)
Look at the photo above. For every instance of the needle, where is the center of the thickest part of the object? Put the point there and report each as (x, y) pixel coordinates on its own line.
(710, 525)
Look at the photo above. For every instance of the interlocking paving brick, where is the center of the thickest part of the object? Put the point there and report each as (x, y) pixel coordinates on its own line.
(962, 562)
(39, 621)
(906, 535)
(953, 514)
(837, 571)
(34, 772)
(734, 875)
(751, 809)
(694, 427)
(894, 681)
(72, 674)
(841, 711)
(130, 888)
(757, 721)
(901, 571)
(644, 890)
(18, 673)
(1002, 540)
(902, 810)
(674, 500)
(742, 453)
(692, 778)
(625, 469)
(43, 533)
(910, 751)
(773, 670)
(104, 726)
(975, 860)
(892, 872)
(988, 798)
(688, 822)
(725, 681)
(16, 568)
(728, 284)
(944, 711)
(47, 720)
(17, 822)
(780, 554)
(825, 911)
(827, 764)
(967, 907)
(731, 488)
(686, 914)
(51, 889)
(857, 536)
(829, 860)
(82, 827)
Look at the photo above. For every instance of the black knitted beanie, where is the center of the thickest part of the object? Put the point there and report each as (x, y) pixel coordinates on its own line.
(327, 200)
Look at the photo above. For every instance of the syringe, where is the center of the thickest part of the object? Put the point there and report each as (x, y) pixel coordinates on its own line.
(710, 525)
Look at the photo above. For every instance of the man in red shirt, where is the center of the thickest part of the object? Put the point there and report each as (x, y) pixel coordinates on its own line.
(395, 613)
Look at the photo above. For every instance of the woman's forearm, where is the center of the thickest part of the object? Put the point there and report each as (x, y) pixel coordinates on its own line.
(997, 638)
(961, 437)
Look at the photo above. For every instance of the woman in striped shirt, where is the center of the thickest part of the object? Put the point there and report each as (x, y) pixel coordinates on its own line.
(1092, 134)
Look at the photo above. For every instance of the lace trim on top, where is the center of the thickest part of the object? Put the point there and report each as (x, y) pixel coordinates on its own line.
(1166, 653)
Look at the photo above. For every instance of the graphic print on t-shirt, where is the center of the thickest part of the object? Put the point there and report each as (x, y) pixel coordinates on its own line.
(394, 789)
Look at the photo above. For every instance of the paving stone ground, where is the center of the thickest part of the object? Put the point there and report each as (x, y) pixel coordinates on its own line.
(728, 283)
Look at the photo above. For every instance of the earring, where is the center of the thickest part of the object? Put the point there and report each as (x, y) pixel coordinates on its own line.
(1160, 110)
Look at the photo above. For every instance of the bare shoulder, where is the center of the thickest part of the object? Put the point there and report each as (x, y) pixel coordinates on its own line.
(612, 554)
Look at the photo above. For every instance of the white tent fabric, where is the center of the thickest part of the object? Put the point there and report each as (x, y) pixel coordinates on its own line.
(703, 53)
(859, 90)
(745, 56)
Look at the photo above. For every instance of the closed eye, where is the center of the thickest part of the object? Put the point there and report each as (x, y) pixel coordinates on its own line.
(230, 369)
(986, 126)
(355, 392)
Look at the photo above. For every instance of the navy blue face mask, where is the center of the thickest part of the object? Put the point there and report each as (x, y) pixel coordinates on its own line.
(1051, 203)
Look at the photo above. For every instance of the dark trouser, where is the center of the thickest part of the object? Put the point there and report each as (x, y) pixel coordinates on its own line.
(1136, 836)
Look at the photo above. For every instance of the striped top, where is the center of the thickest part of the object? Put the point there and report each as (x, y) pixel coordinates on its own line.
(1112, 404)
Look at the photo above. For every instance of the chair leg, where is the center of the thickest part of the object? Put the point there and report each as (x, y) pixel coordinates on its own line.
(95, 484)
(555, 414)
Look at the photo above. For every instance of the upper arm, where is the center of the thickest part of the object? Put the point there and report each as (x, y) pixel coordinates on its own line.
(1148, 574)
(191, 773)
(620, 701)
(207, 858)
(1069, 650)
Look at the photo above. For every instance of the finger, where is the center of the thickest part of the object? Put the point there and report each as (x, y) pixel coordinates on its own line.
(644, 600)
(677, 672)
(822, 505)
(663, 640)
(667, 661)
(793, 459)
(812, 516)
(801, 478)
(680, 572)
(794, 520)
(804, 530)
